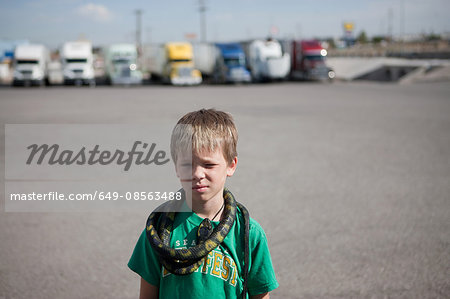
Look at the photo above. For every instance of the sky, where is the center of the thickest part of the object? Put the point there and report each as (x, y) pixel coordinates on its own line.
(52, 22)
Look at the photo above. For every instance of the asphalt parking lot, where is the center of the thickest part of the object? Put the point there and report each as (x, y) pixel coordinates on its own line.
(349, 180)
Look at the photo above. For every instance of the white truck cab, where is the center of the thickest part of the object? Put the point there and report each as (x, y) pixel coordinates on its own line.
(78, 63)
(121, 64)
(31, 65)
(267, 61)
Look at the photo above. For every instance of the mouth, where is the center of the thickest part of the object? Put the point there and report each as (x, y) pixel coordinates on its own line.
(199, 188)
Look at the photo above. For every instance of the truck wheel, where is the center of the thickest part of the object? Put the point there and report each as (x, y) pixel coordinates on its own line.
(331, 75)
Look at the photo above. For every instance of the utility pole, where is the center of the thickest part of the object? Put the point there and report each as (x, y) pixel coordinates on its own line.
(402, 25)
(402, 19)
(390, 24)
(298, 33)
(138, 13)
(202, 10)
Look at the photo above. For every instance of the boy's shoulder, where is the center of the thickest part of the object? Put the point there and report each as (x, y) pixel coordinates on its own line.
(256, 230)
(254, 225)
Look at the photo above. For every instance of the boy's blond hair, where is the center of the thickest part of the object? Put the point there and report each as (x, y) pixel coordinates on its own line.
(205, 129)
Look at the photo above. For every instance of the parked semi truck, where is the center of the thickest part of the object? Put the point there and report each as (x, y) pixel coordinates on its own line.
(205, 59)
(266, 60)
(173, 63)
(121, 64)
(78, 63)
(309, 61)
(222, 62)
(31, 65)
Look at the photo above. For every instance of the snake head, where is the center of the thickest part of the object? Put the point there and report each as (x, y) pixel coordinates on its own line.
(204, 230)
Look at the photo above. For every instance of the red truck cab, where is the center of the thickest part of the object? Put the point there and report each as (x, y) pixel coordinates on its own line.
(309, 61)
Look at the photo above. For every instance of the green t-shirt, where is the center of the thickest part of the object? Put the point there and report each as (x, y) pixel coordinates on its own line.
(220, 277)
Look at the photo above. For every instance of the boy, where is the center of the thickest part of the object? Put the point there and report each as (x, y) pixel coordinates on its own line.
(215, 251)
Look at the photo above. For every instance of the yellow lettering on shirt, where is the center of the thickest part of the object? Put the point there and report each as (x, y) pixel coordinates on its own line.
(233, 278)
(207, 264)
(165, 272)
(217, 263)
(226, 268)
(218, 257)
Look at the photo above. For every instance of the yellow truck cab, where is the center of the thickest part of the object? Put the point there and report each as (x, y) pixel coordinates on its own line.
(173, 63)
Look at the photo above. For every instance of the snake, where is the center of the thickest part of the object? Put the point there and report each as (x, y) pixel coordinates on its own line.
(186, 261)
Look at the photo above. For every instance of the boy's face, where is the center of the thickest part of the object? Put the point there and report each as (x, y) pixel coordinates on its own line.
(205, 175)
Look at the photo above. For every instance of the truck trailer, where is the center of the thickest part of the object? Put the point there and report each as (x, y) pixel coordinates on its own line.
(205, 59)
(31, 65)
(309, 61)
(121, 65)
(266, 60)
(173, 63)
(78, 63)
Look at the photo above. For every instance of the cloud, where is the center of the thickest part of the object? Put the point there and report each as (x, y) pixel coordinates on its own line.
(95, 12)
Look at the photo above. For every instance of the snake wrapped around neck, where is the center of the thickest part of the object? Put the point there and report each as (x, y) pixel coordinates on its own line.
(186, 261)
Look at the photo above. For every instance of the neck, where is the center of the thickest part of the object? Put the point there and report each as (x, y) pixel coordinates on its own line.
(210, 208)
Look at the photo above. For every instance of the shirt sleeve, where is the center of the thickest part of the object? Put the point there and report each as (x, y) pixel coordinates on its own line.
(144, 261)
(261, 274)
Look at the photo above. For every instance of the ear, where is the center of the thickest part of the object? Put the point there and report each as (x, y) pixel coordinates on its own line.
(231, 168)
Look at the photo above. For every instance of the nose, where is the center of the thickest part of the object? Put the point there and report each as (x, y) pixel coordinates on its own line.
(198, 172)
